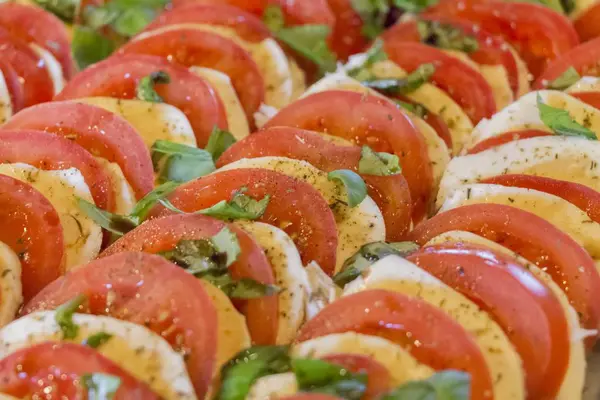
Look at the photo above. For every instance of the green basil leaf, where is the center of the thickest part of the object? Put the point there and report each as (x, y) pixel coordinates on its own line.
(241, 206)
(444, 385)
(414, 6)
(64, 316)
(408, 84)
(375, 54)
(226, 242)
(197, 257)
(180, 163)
(145, 205)
(380, 164)
(273, 18)
(320, 376)
(567, 79)
(97, 340)
(415, 108)
(239, 374)
(114, 223)
(242, 288)
(367, 255)
(556, 5)
(446, 36)
(145, 88)
(89, 47)
(63, 9)
(310, 41)
(100, 386)
(561, 122)
(219, 141)
(354, 184)
(373, 14)
(132, 21)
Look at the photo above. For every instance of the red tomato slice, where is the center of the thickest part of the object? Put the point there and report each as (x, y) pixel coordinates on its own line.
(31, 69)
(444, 344)
(465, 85)
(33, 24)
(434, 120)
(31, 228)
(15, 89)
(256, 7)
(391, 193)
(526, 309)
(119, 76)
(58, 369)
(368, 120)
(302, 12)
(586, 24)
(50, 152)
(100, 132)
(295, 206)
(246, 25)
(148, 290)
(591, 98)
(194, 47)
(163, 234)
(583, 197)
(506, 138)
(378, 377)
(538, 33)
(347, 37)
(532, 237)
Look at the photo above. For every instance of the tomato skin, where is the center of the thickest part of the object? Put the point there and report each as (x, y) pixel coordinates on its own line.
(391, 193)
(378, 377)
(148, 290)
(390, 315)
(433, 120)
(591, 98)
(526, 309)
(57, 368)
(162, 234)
(586, 24)
(506, 138)
(15, 89)
(294, 206)
(32, 229)
(347, 37)
(464, 84)
(367, 120)
(535, 239)
(119, 76)
(100, 132)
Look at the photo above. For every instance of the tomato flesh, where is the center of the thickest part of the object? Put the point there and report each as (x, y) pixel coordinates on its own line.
(504, 138)
(586, 24)
(378, 377)
(591, 98)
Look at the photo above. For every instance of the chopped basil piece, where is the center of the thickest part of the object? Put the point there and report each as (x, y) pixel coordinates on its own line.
(446, 36)
(320, 376)
(196, 256)
(63, 9)
(241, 206)
(444, 385)
(100, 386)
(373, 14)
(89, 47)
(273, 18)
(145, 88)
(415, 108)
(568, 6)
(375, 54)
(242, 288)
(97, 339)
(561, 122)
(414, 6)
(408, 84)
(226, 242)
(180, 163)
(367, 255)
(64, 316)
(354, 184)
(145, 205)
(239, 374)
(219, 141)
(568, 78)
(380, 164)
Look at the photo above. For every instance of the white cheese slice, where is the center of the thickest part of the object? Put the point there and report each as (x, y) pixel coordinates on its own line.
(321, 290)
(125, 199)
(6, 109)
(585, 84)
(52, 66)
(11, 290)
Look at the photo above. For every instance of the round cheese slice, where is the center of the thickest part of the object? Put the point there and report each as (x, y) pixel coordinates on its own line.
(11, 295)
(125, 199)
(6, 109)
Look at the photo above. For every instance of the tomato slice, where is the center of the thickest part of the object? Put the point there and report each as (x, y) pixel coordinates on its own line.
(369, 120)
(31, 69)
(465, 85)
(119, 76)
(40, 27)
(378, 377)
(506, 138)
(15, 89)
(294, 206)
(164, 233)
(538, 33)
(391, 193)
(443, 343)
(433, 120)
(50, 152)
(591, 98)
(347, 37)
(246, 25)
(195, 47)
(31, 228)
(586, 24)
(148, 290)
(525, 308)
(532, 237)
(58, 368)
(100, 132)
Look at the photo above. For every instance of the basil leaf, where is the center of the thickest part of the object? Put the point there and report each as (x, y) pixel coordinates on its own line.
(197, 256)
(89, 47)
(239, 374)
(375, 54)
(408, 84)
(446, 36)
(240, 289)
(64, 316)
(556, 5)
(241, 206)
(320, 376)
(226, 242)
(132, 21)
(561, 122)
(568, 78)
(568, 6)
(145, 88)
(63, 9)
(444, 385)
(367, 255)
(97, 339)
(355, 186)
(100, 386)
(380, 164)
(414, 6)
(180, 163)
(114, 223)
(273, 18)
(373, 13)
(145, 205)
(218, 142)
(415, 108)
(310, 41)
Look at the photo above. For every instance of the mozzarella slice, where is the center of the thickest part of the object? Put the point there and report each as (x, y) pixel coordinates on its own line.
(124, 195)
(6, 109)
(153, 121)
(236, 118)
(397, 274)
(321, 290)
(11, 291)
(289, 273)
(139, 351)
(298, 79)
(564, 158)
(82, 236)
(524, 114)
(585, 84)
(52, 66)
(562, 214)
(273, 387)
(573, 382)
(356, 226)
